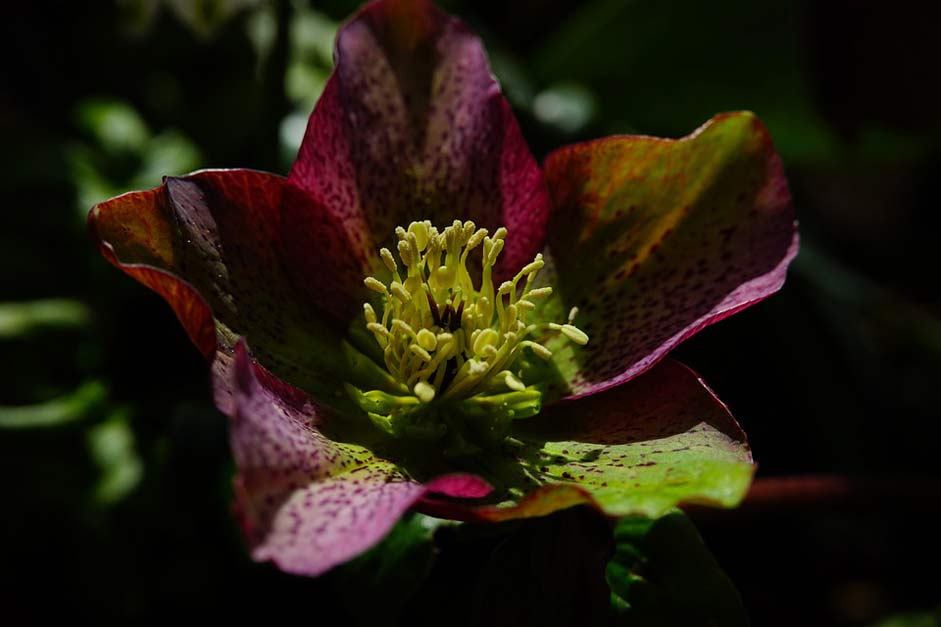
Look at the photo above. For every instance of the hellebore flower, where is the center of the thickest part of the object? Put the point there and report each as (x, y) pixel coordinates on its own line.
(508, 359)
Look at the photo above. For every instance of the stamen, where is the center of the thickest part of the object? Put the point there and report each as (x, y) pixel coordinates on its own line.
(424, 391)
(375, 285)
(571, 332)
(400, 292)
(388, 259)
(369, 313)
(540, 350)
(456, 347)
(427, 340)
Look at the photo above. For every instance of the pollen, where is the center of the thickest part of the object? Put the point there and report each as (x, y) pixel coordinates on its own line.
(446, 334)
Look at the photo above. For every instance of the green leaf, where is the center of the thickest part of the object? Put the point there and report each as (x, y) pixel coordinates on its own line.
(115, 125)
(111, 444)
(67, 408)
(663, 575)
(18, 319)
(377, 584)
(913, 619)
(545, 571)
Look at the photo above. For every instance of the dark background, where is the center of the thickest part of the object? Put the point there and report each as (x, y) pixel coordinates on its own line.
(114, 466)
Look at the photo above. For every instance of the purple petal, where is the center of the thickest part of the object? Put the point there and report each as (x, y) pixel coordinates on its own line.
(305, 502)
(210, 244)
(655, 239)
(412, 126)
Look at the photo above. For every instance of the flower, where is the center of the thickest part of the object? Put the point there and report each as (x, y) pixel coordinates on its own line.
(338, 425)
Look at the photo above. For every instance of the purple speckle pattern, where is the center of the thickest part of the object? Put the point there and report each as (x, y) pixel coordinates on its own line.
(413, 126)
(305, 502)
(655, 239)
(219, 232)
(644, 447)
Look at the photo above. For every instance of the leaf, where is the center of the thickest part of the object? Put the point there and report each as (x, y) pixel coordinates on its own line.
(112, 446)
(115, 125)
(70, 407)
(17, 319)
(663, 575)
(547, 571)
(378, 584)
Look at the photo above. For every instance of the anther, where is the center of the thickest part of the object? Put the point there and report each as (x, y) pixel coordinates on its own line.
(539, 292)
(487, 337)
(377, 328)
(399, 292)
(426, 339)
(424, 391)
(512, 382)
(420, 231)
(369, 313)
(540, 350)
(375, 285)
(533, 266)
(571, 332)
(403, 327)
(421, 352)
(388, 259)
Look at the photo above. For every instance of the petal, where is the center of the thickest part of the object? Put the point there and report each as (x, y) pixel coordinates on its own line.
(641, 448)
(209, 243)
(412, 126)
(655, 239)
(305, 502)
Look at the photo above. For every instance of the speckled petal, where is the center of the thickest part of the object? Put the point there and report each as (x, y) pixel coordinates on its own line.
(305, 502)
(413, 126)
(645, 447)
(655, 239)
(209, 243)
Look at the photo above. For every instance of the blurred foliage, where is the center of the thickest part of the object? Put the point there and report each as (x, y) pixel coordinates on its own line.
(64, 409)
(914, 619)
(115, 464)
(663, 574)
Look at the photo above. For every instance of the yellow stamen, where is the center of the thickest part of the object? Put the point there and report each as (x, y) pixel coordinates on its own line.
(444, 335)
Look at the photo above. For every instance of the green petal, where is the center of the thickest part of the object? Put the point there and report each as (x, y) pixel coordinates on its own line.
(642, 448)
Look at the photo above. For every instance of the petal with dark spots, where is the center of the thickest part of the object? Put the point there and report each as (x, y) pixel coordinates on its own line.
(654, 239)
(644, 447)
(412, 126)
(305, 502)
(210, 244)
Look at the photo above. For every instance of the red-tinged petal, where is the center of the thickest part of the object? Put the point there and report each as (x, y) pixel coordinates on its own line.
(655, 239)
(137, 223)
(644, 447)
(210, 243)
(412, 126)
(305, 502)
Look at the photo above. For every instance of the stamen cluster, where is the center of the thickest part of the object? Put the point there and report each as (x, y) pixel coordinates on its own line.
(443, 338)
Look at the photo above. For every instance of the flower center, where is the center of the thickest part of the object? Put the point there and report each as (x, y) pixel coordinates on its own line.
(454, 349)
